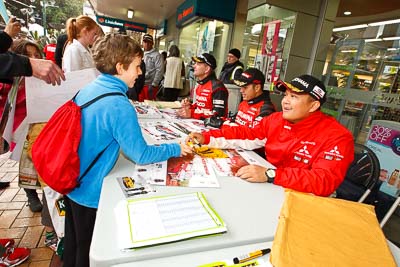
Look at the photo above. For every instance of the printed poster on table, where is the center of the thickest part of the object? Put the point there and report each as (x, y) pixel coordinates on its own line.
(384, 140)
(198, 170)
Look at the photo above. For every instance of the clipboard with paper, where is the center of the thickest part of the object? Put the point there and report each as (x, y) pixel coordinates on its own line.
(163, 219)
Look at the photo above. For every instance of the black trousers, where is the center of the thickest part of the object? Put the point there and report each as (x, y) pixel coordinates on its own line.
(79, 225)
(170, 94)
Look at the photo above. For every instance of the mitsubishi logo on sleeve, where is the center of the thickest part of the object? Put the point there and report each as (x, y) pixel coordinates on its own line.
(333, 154)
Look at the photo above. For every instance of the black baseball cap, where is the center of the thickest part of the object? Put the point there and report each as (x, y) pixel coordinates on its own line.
(305, 84)
(250, 76)
(206, 58)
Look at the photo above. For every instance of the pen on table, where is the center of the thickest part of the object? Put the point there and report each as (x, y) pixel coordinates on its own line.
(251, 255)
(183, 129)
(136, 189)
(138, 193)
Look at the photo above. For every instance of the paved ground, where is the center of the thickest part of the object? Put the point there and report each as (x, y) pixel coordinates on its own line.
(18, 222)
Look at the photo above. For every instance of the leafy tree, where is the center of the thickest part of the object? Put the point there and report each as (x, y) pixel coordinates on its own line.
(56, 16)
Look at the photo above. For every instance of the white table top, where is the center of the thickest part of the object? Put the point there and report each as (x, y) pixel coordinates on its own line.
(205, 257)
(250, 211)
(200, 258)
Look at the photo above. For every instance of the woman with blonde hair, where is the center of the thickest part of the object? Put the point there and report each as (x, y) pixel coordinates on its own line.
(82, 32)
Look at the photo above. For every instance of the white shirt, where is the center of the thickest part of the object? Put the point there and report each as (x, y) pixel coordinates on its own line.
(77, 57)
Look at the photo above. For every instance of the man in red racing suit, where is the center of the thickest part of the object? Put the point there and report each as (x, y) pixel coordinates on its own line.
(211, 95)
(256, 102)
(310, 150)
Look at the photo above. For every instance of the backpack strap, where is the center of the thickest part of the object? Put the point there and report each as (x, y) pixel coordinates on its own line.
(101, 153)
(91, 164)
(99, 97)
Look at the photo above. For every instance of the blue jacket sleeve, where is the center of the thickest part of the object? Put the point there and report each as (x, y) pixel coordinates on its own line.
(128, 134)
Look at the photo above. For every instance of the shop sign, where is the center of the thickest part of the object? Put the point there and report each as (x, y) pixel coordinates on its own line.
(223, 10)
(391, 100)
(342, 67)
(368, 97)
(185, 12)
(123, 24)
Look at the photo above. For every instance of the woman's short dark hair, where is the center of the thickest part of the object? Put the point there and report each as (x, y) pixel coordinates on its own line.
(115, 48)
(174, 51)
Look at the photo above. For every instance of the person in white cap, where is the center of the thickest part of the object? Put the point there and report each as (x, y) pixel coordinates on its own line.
(310, 150)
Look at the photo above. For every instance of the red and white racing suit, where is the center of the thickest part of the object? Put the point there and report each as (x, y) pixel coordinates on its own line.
(211, 99)
(250, 113)
(310, 156)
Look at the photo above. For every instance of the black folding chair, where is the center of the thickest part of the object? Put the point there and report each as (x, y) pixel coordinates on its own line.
(361, 177)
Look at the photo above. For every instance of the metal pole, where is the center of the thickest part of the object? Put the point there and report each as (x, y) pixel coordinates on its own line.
(44, 17)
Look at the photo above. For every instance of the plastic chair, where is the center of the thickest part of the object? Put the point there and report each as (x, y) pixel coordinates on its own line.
(362, 175)
(390, 212)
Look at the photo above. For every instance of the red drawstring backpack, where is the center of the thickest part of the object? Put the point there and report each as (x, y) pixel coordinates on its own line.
(55, 151)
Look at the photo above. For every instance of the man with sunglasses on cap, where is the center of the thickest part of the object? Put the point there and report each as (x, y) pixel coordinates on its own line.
(211, 95)
(311, 151)
(256, 102)
(154, 69)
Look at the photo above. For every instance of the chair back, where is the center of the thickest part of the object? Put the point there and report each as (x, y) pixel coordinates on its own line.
(362, 175)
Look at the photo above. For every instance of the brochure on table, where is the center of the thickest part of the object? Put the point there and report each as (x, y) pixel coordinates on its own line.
(384, 140)
(193, 171)
(145, 111)
(163, 104)
(163, 219)
(167, 130)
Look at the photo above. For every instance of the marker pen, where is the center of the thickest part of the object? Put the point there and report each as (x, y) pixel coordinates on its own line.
(137, 193)
(136, 189)
(251, 255)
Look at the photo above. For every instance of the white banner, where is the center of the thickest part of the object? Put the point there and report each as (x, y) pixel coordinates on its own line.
(43, 99)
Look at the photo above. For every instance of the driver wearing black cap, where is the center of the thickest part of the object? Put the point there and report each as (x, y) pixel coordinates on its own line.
(310, 150)
(211, 95)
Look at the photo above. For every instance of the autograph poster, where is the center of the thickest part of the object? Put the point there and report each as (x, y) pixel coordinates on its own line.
(269, 50)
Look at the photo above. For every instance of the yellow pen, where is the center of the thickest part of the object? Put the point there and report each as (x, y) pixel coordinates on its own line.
(251, 255)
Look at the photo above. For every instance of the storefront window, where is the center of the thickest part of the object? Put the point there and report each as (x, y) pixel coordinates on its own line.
(267, 40)
(363, 85)
(205, 36)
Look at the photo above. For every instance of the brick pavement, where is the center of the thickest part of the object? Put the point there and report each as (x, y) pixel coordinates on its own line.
(18, 222)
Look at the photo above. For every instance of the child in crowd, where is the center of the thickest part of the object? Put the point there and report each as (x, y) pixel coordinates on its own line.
(109, 124)
(32, 50)
(82, 32)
